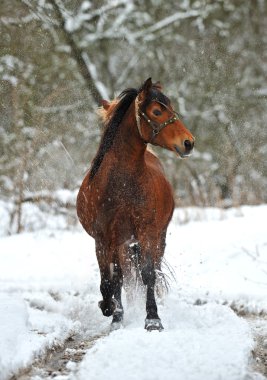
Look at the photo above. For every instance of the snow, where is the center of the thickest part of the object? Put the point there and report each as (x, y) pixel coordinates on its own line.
(177, 16)
(49, 281)
(208, 263)
(195, 338)
(25, 335)
(10, 64)
(14, 319)
(103, 91)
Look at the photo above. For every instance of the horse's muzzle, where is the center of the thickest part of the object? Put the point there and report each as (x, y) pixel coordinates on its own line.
(186, 150)
(189, 145)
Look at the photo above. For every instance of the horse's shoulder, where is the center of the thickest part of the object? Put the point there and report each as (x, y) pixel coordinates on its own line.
(157, 173)
(153, 162)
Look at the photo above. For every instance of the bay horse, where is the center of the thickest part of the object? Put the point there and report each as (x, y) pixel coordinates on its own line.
(125, 202)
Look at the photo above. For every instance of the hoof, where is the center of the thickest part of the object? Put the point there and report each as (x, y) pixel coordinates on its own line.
(153, 324)
(117, 317)
(116, 326)
(107, 308)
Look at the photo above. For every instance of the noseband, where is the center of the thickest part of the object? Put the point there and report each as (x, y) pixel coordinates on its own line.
(156, 127)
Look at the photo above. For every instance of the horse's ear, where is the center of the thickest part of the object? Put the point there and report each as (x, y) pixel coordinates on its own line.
(147, 85)
(105, 104)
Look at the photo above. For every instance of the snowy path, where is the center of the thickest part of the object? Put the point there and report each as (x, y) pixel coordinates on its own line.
(195, 338)
(49, 289)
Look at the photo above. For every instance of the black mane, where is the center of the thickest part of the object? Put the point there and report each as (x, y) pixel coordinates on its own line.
(126, 98)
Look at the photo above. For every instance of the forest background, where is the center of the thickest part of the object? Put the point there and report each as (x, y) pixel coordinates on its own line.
(58, 59)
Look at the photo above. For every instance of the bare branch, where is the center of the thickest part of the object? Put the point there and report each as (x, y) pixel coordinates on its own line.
(145, 34)
(59, 108)
(17, 20)
(77, 54)
(167, 21)
(75, 23)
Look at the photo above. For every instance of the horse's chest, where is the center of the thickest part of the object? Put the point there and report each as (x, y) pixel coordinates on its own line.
(137, 194)
(123, 189)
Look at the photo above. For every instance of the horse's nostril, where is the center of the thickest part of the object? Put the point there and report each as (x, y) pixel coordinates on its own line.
(188, 144)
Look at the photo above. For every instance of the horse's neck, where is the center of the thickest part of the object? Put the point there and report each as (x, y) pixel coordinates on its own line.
(128, 145)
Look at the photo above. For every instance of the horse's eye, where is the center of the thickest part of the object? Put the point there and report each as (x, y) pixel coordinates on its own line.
(157, 112)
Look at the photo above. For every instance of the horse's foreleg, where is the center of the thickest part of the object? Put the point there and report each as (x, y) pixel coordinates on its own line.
(107, 305)
(117, 286)
(152, 321)
(110, 287)
(111, 284)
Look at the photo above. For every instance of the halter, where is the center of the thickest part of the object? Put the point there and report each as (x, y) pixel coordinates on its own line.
(156, 127)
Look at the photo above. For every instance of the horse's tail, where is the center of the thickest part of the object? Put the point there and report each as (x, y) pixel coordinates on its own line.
(135, 253)
(163, 277)
(132, 279)
(135, 257)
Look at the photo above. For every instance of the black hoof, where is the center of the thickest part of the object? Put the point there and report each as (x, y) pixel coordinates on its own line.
(117, 317)
(107, 307)
(153, 324)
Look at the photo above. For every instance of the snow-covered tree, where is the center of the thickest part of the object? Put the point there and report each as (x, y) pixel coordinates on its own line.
(60, 58)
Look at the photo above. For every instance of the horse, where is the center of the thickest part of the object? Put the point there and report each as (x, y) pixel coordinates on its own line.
(125, 201)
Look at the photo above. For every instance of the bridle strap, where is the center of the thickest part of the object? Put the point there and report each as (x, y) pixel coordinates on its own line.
(156, 127)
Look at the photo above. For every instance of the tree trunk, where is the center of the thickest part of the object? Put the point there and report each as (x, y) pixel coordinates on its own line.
(77, 55)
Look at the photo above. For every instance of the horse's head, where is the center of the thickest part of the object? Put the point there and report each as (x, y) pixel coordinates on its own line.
(158, 123)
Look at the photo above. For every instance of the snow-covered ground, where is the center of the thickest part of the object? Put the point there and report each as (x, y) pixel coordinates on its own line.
(49, 290)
